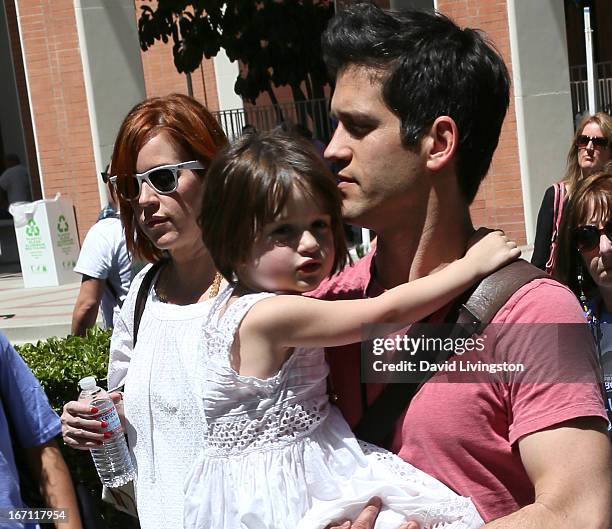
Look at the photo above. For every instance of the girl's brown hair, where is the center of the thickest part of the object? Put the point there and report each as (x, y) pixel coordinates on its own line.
(187, 124)
(573, 173)
(591, 201)
(249, 184)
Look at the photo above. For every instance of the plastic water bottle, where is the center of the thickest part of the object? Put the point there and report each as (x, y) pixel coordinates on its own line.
(112, 459)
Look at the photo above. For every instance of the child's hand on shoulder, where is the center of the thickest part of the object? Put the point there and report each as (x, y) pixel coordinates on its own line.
(489, 250)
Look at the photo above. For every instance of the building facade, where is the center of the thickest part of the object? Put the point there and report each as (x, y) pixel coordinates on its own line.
(75, 69)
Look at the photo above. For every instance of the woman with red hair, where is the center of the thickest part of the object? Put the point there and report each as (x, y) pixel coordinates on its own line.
(161, 154)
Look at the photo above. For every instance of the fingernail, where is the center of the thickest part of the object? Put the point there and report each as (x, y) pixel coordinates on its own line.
(103, 424)
(107, 434)
(93, 409)
(375, 501)
(99, 443)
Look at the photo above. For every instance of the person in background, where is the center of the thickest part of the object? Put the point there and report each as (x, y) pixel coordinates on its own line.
(14, 181)
(591, 149)
(585, 263)
(28, 424)
(111, 208)
(106, 268)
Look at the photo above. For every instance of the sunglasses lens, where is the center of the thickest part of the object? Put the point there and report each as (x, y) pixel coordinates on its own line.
(582, 141)
(587, 238)
(598, 141)
(128, 187)
(163, 180)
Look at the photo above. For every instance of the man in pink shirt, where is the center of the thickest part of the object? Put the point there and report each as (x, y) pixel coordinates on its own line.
(420, 105)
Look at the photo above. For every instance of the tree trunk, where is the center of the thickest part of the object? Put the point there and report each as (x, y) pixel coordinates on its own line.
(321, 123)
(301, 104)
(279, 113)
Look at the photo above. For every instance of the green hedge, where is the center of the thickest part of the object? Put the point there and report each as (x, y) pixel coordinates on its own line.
(59, 364)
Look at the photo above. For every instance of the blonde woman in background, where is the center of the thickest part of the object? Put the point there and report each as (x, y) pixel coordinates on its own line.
(591, 149)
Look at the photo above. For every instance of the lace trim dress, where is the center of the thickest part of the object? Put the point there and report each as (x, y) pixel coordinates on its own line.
(277, 455)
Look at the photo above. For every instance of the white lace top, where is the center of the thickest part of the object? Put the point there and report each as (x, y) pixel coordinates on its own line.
(277, 455)
(163, 424)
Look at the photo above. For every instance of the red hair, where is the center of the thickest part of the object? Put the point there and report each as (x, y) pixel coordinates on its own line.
(187, 124)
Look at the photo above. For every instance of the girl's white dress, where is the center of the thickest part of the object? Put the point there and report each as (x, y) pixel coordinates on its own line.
(277, 455)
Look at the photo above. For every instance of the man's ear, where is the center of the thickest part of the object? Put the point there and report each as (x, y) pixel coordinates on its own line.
(441, 144)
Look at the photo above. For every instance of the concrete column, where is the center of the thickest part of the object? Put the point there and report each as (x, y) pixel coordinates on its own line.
(226, 73)
(542, 97)
(112, 68)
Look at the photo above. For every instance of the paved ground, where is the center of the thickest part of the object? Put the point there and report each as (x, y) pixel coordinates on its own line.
(31, 314)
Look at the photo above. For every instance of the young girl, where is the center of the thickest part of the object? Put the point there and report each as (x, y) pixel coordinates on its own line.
(276, 453)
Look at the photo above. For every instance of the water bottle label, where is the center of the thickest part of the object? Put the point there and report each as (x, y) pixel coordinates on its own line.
(111, 417)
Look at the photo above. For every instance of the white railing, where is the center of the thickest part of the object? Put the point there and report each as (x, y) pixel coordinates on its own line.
(313, 114)
(603, 88)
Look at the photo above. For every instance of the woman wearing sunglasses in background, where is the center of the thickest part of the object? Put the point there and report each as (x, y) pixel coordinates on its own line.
(159, 161)
(591, 149)
(584, 262)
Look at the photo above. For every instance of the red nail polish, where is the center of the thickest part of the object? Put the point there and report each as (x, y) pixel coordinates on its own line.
(107, 434)
(93, 409)
(103, 424)
(99, 443)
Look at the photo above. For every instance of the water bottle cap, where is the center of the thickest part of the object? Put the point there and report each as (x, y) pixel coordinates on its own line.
(87, 383)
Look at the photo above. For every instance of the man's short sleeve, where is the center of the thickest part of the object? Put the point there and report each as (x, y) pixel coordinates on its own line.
(24, 400)
(547, 332)
(95, 257)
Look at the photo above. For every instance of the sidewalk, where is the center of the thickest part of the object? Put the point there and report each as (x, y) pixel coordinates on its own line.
(32, 314)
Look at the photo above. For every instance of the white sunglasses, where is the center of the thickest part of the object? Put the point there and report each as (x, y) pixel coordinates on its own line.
(163, 179)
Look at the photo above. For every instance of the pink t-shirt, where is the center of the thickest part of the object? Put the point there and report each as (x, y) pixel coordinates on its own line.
(465, 434)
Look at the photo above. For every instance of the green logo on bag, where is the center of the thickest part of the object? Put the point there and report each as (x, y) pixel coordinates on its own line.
(32, 229)
(62, 224)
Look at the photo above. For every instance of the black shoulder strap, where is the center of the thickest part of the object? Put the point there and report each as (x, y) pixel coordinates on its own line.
(141, 297)
(113, 292)
(473, 311)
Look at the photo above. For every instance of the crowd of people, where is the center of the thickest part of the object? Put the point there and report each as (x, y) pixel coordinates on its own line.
(236, 415)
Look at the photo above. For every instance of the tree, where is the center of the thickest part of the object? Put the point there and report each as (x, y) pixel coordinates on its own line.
(276, 41)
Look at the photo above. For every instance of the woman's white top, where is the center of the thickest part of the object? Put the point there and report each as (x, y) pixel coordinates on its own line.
(164, 428)
(277, 455)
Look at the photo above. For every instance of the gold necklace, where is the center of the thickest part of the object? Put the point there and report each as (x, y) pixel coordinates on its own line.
(212, 290)
(215, 285)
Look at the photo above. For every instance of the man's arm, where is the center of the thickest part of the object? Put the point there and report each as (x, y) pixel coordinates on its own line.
(570, 466)
(571, 470)
(50, 471)
(87, 304)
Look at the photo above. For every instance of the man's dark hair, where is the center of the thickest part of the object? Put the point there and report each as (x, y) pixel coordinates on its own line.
(428, 67)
